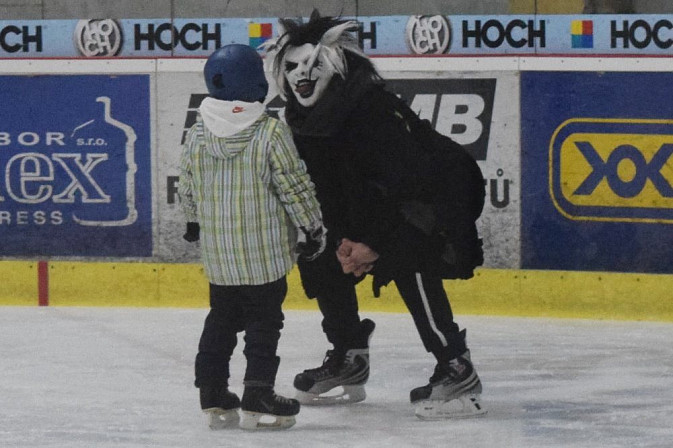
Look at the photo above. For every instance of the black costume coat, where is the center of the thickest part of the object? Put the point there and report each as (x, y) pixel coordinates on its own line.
(384, 178)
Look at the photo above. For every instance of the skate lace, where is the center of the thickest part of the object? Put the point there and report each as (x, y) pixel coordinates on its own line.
(330, 364)
(446, 371)
(281, 399)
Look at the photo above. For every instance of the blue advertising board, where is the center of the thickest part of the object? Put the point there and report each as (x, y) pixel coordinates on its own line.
(75, 166)
(597, 177)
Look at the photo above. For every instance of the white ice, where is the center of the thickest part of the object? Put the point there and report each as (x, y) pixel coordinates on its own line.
(109, 377)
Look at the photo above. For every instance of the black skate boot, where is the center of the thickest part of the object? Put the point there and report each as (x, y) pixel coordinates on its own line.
(348, 369)
(220, 405)
(263, 409)
(454, 381)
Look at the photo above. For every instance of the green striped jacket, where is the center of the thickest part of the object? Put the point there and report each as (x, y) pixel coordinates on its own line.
(249, 192)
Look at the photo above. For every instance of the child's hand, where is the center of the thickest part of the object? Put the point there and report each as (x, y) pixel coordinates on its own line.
(311, 242)
(193, 232)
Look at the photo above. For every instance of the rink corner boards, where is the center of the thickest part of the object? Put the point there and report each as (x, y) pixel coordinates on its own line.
(566, 294)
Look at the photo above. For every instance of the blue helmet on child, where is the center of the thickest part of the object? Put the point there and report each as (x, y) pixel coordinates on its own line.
(235, 72)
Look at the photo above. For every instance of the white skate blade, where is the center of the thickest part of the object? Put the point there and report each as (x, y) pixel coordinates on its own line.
(254, 421)
(465, 406)
(348, 394)
(219, 418)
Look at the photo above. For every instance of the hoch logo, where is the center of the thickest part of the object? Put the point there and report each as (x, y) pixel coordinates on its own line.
(98, 38)
(613, 169)
(428, 34)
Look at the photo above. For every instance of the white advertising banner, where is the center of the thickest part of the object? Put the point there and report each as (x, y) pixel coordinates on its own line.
(479, 110)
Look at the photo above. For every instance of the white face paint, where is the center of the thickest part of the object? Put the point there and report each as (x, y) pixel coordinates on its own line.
(307, 83)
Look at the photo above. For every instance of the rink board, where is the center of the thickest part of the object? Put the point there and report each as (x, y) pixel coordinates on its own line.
(550, 29)
(490, 292)
(170, 277)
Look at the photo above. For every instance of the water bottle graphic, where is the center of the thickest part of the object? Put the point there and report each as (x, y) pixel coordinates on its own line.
(107, 174)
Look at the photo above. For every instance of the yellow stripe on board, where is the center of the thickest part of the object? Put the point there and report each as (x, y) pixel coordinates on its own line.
(18, 283)
(128, 284)
(595, 295)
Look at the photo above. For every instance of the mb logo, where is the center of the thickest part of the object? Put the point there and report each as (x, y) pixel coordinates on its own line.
(613, 170)
(458, 108)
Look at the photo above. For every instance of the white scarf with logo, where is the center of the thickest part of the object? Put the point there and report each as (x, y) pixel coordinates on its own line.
(226, 118)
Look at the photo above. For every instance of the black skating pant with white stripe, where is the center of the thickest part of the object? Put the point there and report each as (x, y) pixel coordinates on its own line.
(430, 308)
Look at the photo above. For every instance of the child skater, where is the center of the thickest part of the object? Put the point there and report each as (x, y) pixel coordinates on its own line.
(245, 193)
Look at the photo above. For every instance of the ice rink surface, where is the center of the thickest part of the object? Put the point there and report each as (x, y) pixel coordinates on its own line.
(110, 377)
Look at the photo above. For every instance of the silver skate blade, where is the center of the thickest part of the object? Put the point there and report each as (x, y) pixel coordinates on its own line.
(219, 418)
(465, 406)
(348, 394)
(254, 421)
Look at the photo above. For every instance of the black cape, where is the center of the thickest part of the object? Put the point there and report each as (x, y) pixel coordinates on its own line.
(384, 177)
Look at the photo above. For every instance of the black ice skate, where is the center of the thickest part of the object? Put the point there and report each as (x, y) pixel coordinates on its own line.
(347, 370)
(221, 407)
(453, 392)
(263, 409)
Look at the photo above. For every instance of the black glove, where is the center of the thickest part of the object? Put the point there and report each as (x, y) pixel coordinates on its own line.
(311, 242)
(192, 233)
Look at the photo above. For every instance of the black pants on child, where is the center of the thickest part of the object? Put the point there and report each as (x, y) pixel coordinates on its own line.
(254, 309)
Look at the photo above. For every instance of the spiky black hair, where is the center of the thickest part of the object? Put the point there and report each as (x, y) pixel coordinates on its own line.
(332, 35)
(299, 33)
